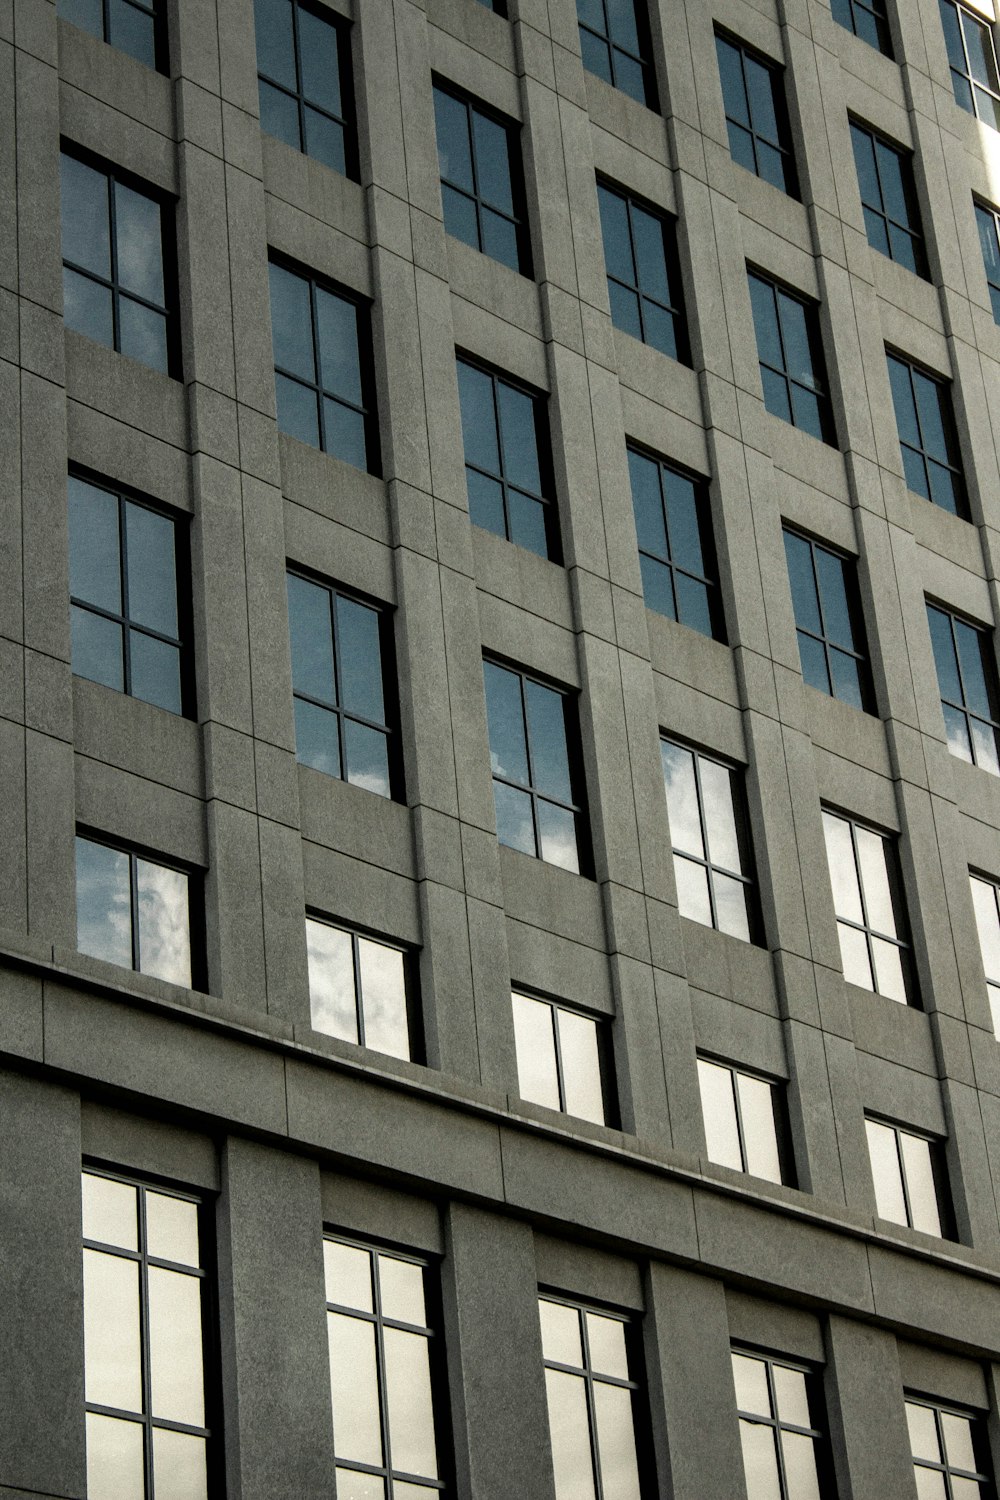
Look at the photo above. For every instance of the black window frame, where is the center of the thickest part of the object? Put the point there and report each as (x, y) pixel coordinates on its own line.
(605, 1058)
(706, 535)
(846, 12)
(986, 211)
(938, 1169)
(513, 130)
(852, 596)
(498, 7)
(983, 1475)
(784, 144)
(156, 12)
(972, 85)
(676, 308)
(411, 982)
(912, 228)
(822, 1450)
(991, 684)
(902, 938)
(946, 407)
(644, 58)
(820, 388)
(348, 120)
(779, 1114)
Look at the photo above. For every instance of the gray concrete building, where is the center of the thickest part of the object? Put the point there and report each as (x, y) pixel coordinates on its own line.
(500, 801)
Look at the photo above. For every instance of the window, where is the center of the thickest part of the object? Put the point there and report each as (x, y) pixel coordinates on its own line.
(967, 683)
(497, 6)
(304, 73)
(784, 1448)
(145, 1317)
(867, 19)
(614, 39)
(130, 25)
(950, 1452)
(828, 620)
(341, 659)
(118, 283)
(358, 989)
(508, 468)
(888, 198)
(596, 1414)
(868, 903)
(482, 189)
(986, 900)
(753, 94)
(322, 368)
(126, 612)
(907, 1176)
(383, 1374)
(988, 224)
(559, 1062)
(741, 1112)
(133, 911)
(927, 438)
(537, 779)
(711, 854)
(644, 278)
(973, 61)
(792, 368)
(676, 553)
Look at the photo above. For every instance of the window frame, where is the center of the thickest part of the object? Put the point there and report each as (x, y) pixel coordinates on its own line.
(513, 130)
(980, 1443)
(706, 536)
(784, 144)
(345, 67)
(905, 159)
(902, 938)
(963, 14)
(156, 11)
(855, 612)
(602, 1027)
(991, 684)
(820, 1436)
(672, 274)
(880, 20)
(935, 1153)
(644, 58)
(820, 389)
(955, 465)
(782, 1135)
(411, 986)
(992, 982)
(983, 211)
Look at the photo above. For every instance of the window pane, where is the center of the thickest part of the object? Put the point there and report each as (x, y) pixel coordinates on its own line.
(339, 362)
(790, 1394)
(164, 922)
(318, 41)
(923, 1432)
(682, 798)
(492, 162)
(109, 1211)
(114, 1459)
(317, 738)
(798, 555)
(94, 561)
(875, 881)
(111, 1331)
(401, 1287)
(616, 1440)
(988, 924)
(750, 1377)
(843, 876)
(408, 1396)
(87, 14)
(479, 428)
(453, 143)
(920, 1187)
(885, 1172)
(957, 1432)
(298, 411)
(366, 752)
(889, 980)
(331, 981)
(760, 1140)
(357, 1429)
(799, 1453)
(275, 46)
(547, 740)
(536, 1056)
(506, 723)
(279, 115)
(682, 512)
(557, 836)
(383, 998)
(152, 570)
(931, 1485)
(172, 1228)
(615, 233)
(569, 1428)
(720, 820)
(692, 890)
(560, 1332)
(177, 1388)
(581, 1066)
(718, 1109)
(348, 1275)
(854, 956)
(103, 903)
(179, 1465)
(760, 1462)
(155, 671)
(97, 649)
(86, 230)
(291, 323)
(139, 243)
(360, 660)
(325, 140)
(515, 827)
(311, 639)
(142, 334)
(606, 1342)
(731, 912)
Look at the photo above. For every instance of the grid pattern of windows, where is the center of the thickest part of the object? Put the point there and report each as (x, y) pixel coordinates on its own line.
(888, 198)
(595, 1417)
(508, 472)
(382, 1374)
(950, 1452)
(322, 368)
(906, 1173)
(559, 1058)
(304, 72)
(988, 224)
(126, 620)
(711, 851)
(740, 1114)
(358, 988)
(133, 911)
(790, 350)
(676, 554)
(644, 280)
(482, 188)
(967, 682)
(868, 903)
(537, 780)
(614, 40)
(756, 118)
(118, 282)
(827, 620)
(927, 438)
(972, 59)
(986, 900)
(784, 1451)
(144, 1307)
(341, 660)
(867, 19)
(132, 26)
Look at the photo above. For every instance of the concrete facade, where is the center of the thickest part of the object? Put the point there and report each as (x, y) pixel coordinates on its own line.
(230, 1092)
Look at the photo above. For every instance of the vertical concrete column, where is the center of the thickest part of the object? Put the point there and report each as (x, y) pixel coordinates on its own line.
(42, 1438)
(279, 1431)
(864, 1400)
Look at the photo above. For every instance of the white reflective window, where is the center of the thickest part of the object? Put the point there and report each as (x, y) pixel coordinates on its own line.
(711, 858)
(558, 1058)
(358, 988)
(784, 1450)
(903, 1173)
(738, 1110)
(949, 1451)
(986, 900)
(133, 911)
(873, 947)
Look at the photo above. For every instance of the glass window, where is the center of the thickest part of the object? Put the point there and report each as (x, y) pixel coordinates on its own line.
(341, 660)
(828, 620)
(972, 59)
(867, 19)
(482, 189)
(986, 900)
(927, 437)
(537, 779)
(950, 1452)
(322, 368)
(304, 74)
(126, 616)
(756, 118)
(988, 224)
(359, 988)
(906, 1172)
(644, 278)
(790, 350)
(968, 686)
(383, 1374)
(133, 26)
(117, 271)
(498, 7)
(868, 902)
(133, 911)
(597, 1420)
(741, 1114)
(559, 1062)
(888, 198)
(615, 42)
(785, 1455)
(508, 470)
(144, 1319)
(676, 551)
(711, 851)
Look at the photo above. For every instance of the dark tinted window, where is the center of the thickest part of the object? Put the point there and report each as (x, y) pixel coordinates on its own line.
(614, 39)
(133, 26)
(133, 911)
(867, 19)
(967, 683)
(973, 61)
(888, 198)
(827, 620)
(644, 281)
(756, 118)
(507, 460)
(482, 189)
(988, 224)
(675, 544)
(306, 92)
(712, 864)
(792, 368)
(927, 438)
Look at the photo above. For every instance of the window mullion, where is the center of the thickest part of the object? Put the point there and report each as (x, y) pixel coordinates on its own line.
(383, 1393)
(113, 247)
(703, 822)
(902, 1177)
(776, 1431)
(126, 604)
(133, 875)
(146, 1357)
(359, 999)
(588, 1378)
(560, 1075)
(740, 1130)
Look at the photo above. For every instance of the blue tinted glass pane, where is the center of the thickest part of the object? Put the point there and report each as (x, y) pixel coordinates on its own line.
(279, 115)
(152, 569)
(915, 470)
(657, 586)
(931, 398)
(761, 87)
(846, 678)
(644, 476)
(945, 487)
(615, 233)
(557, 836)
(659, 328)
(291, 323)
(842, 13)
(87, 14)
(591, 13)
(519, 438)
(514, 823)
(366, 751)
(944, 654)
(629, 76)
(485, 502)
(864, 161)
(339, 361)
(527, 522)
(902, 400)
(97, 648)
(460, 216)
(508, 755)
(741, 146)
(316, 741)
(765, 322)
(140, 244)
(624, 309)
(479, 434)
(454, 150)
(500, 239)
(86, 233)
(344, 434)
(733, 88)
(806, 411)
(155, 671)
(94, 566)
(904, 249)
(956, 726)
(547, 741)
(692, 604)
(142, 334)
(87, 308)
(970, 654)
(952, 35)
(103, 903)
(813, 659)
(132, 31)
(298, 411)
(982, 63)
(275, 43)
(320, 58)
(773, 166)
(891, 168)
(682, 522)
(622, 24)
(596, 55)
(325, 141)
(650, 253)
(795, 338)
(360, 660)
(877, 231)
(833, 590)
(987, 225)
(995, 302)
(311, 636)
(798, 555)
(776, 397)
